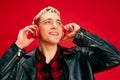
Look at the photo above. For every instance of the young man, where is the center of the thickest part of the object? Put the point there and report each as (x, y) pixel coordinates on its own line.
(49, 61)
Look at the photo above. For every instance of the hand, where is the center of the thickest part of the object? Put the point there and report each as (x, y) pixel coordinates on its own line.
(22, 39)
(72, 29)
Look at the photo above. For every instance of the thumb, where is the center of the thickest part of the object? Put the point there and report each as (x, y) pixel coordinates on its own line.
(68, 36)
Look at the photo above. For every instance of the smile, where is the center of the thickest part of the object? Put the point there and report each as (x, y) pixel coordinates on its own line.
(54, 33)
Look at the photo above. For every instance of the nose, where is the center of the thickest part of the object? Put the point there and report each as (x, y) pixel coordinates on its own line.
(54, 26)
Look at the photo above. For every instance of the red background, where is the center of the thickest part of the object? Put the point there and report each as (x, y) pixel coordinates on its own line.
(101, 17)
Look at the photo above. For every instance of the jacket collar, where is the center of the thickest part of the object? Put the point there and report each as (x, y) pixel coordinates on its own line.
(29, 64)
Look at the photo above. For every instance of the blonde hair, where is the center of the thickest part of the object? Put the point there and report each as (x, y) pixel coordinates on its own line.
(48, 9)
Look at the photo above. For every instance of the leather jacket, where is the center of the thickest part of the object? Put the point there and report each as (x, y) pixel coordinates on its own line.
(92, 54)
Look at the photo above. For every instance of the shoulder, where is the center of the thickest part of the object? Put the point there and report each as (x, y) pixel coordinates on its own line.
(74, 51)
(29, 56)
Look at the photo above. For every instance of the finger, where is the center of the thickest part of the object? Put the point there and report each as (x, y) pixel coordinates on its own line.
(70, 35)
(28, 30)
(65, 38)
(31, 28)
(66, 28)
(71, 28)
(32, 39)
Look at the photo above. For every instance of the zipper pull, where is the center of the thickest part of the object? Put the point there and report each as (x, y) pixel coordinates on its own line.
(19, 52)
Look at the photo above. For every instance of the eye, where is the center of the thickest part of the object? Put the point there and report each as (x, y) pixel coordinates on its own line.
(59, 23)
(47, 22)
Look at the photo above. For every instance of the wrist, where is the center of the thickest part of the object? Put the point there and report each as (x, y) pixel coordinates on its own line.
(19, 44)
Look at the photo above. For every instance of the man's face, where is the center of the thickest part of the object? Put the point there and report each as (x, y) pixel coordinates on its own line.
(50, 26)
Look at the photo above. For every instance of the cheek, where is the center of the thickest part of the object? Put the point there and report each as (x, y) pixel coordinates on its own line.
(43, 32)
(60, 31)
(62, 34)
(43, 29)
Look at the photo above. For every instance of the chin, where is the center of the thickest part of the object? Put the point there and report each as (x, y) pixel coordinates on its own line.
(55, 41)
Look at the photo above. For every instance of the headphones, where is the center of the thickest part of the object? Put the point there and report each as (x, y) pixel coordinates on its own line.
(36, 34)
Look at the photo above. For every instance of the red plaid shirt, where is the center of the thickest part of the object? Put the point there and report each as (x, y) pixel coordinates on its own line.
(50, 71)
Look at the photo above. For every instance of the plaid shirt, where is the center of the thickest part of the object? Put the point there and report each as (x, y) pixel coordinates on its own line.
(50, 71)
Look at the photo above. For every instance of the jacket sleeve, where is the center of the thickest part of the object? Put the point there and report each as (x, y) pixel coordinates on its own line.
(101, 54)
(9, 61)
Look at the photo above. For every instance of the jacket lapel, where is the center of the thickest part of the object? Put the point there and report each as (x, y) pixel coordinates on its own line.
(29, 65)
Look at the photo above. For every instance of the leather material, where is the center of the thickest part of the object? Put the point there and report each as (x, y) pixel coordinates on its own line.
(92, 54)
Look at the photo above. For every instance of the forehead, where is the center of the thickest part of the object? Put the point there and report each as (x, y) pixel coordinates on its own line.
(50, 16)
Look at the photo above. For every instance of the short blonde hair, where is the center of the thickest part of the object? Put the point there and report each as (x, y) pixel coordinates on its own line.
(48, 9)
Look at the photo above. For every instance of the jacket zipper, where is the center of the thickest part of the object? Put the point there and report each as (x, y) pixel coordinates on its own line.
(9, 63)
(83, 35)
(12, 61)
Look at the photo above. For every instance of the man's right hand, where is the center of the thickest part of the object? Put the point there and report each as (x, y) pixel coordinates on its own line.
(22, 39)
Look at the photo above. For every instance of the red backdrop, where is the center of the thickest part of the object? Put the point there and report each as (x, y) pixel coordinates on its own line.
(98, 16)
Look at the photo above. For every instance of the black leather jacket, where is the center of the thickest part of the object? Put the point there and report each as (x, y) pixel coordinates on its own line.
(91, 55)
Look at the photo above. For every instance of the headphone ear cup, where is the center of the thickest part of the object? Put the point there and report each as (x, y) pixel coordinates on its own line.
(35, 35)
(37, 32)
(63, 33)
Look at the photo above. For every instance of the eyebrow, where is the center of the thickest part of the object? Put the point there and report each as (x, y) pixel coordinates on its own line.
(50, 19)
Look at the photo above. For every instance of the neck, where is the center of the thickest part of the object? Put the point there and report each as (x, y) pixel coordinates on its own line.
(48, 50)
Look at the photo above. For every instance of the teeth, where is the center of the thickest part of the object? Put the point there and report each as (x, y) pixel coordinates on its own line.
(53, 33)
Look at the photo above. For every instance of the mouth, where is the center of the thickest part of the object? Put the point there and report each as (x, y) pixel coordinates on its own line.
(54, 33)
